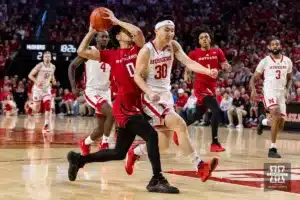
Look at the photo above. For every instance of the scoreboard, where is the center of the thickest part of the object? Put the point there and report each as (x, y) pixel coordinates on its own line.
(60, 52)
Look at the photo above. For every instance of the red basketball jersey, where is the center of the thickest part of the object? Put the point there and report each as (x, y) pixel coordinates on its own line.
(209, 59)
(122, 62)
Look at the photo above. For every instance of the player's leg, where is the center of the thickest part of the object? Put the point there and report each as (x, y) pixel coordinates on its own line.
(142, 128)
(275, 120)
(37, 98)
(261, 113)
(212, 104)
(106, 109)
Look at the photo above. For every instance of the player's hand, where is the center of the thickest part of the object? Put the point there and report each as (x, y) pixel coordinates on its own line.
(91, 29)
(213, 73)
(253, 94)
(154, 97)
(111, 16)
(227, 66)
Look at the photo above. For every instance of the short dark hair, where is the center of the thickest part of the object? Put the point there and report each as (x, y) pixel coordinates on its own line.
(165, 17)
(273, 39)
(203, 29)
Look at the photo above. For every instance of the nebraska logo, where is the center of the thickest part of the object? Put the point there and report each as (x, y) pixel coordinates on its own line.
(271, 101)
(252, 178)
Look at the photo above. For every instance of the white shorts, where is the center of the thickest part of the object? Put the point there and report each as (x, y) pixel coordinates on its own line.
(275, 98)
(96, 98)
(159, 110)
(39, 94)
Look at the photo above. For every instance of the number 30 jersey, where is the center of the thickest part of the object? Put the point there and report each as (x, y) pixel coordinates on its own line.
(160, 67)
(275, 72)
(97, 74)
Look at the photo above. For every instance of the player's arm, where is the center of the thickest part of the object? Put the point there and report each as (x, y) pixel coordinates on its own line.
(137, 33)
(255, 77)
(141, 70)
(223, 61)
(53, 80)
(84, 50)
(34, 72)
(71, 71)
(189, 63)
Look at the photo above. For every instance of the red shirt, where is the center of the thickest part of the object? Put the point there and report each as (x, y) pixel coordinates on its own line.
(69, 96)
(209, 59)
(219, 98)
(122, 62)
(181, 101)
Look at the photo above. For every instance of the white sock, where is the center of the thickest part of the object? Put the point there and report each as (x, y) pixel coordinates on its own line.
(88, 141)
(265, 122)
(140, 150)
(105, 139)
(273, 145)
(195, 159)
(46, 121)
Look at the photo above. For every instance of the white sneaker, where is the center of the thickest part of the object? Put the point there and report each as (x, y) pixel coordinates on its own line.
(240, 126)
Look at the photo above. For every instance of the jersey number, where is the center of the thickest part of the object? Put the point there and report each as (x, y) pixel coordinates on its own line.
(103, 67)
(161, 71)
(278, 73)
(130, 69)
(47, 75)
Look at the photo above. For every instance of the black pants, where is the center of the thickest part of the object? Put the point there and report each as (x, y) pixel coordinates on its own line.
(137, 125)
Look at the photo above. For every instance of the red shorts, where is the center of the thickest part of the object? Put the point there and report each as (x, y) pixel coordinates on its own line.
(203, 90)
(126, 106)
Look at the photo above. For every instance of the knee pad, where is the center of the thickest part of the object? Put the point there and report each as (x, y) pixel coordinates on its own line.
(47, 105)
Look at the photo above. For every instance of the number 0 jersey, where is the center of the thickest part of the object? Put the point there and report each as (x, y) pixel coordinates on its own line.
(160, 67)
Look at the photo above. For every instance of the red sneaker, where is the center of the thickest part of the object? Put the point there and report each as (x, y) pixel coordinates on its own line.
(85, 149)
(216, 148)
(175, 138)
(130, 160)
(103, 146)
(206, 168)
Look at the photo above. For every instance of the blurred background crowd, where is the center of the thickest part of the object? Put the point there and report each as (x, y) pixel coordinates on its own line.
(240, 28)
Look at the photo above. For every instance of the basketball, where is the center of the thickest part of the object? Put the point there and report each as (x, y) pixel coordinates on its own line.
(98, 22)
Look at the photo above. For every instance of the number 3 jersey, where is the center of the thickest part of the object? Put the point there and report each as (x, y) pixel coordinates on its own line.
(275, 72)
(97, 75)
(160, 67)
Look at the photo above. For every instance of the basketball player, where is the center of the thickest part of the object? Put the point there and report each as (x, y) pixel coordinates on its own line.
(42, 76)
(205, 86)
(97, 94)
(126, 106)
(277, 70)
(153, 76)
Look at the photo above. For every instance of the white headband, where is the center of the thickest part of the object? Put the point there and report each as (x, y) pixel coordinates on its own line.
(164, 23)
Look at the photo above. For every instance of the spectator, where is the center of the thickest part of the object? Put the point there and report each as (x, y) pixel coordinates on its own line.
(189, 109)
(219, 95)
(237, 109)
(225, 104)
(68, 100)
(298, 95)
(181, 101)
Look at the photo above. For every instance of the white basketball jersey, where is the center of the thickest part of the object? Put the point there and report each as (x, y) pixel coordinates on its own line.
(160, 67)
(45, 75)
(97, 74)
(275, 72)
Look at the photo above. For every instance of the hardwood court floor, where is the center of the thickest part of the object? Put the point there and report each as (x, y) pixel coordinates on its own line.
(35, 168)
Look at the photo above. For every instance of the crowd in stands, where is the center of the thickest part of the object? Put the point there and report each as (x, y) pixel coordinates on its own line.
(240, 28)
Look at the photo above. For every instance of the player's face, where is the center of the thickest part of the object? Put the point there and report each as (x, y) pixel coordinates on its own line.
(125, 36)
(47, 58)
(166, 33)
(204, 40)
(102, 38)
(275, 47)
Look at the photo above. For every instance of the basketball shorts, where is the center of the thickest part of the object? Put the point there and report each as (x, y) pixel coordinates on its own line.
(96, 98)
(126, 106)
(203, 90)
(41, 94)
(275, 98)
(159, 110)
